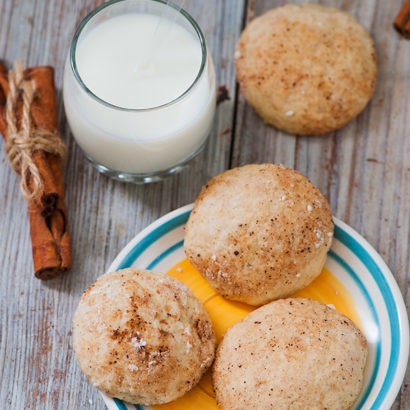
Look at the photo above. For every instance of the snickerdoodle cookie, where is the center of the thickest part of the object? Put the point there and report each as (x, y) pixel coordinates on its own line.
(142, 337)
(290, 354)
(259, 233)
(306, 69)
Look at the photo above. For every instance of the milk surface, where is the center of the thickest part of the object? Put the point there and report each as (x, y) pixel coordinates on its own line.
(132, 62)
(138, 60)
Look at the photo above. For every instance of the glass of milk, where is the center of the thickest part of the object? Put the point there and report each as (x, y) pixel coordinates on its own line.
(139, 89)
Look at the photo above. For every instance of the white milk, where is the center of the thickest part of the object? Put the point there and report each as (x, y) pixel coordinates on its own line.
(132, 62)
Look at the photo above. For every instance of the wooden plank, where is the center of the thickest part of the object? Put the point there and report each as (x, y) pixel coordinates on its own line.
(39, 368)
(363, 169)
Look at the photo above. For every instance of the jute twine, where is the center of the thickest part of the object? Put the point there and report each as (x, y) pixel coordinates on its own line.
(22, 142)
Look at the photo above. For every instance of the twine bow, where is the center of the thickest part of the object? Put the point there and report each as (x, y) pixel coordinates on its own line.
(23, 141)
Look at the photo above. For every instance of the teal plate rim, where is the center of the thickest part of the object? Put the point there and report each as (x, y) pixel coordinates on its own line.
(398, 323)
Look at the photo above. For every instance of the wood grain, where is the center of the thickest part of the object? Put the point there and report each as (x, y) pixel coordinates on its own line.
(40, 371)
(363, 169)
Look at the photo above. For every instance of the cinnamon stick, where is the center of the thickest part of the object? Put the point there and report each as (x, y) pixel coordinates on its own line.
(47, 213)
(402, 21)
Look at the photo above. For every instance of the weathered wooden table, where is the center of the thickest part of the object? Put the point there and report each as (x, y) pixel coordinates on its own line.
(364, 170)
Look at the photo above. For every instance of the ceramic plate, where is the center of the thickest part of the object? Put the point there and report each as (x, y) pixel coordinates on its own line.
(355, 281)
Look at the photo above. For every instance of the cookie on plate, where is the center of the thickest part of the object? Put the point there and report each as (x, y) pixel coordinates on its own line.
(291, 354)
(306, 69)
(142, 337)
(259, 233)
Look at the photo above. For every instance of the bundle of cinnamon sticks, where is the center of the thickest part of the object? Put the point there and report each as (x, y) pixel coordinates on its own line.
(47, 209)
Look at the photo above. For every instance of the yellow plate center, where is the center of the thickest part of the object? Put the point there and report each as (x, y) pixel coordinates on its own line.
(224, 313)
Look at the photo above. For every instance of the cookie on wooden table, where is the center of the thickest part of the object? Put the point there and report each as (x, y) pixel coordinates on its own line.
(306, 69)
(259, 233)
(142, 337)
(291, 354)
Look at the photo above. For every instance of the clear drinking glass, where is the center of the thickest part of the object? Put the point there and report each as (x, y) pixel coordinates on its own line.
(140, 145)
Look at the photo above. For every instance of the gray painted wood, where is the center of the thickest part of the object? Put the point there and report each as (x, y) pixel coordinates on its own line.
(364, 170)
(40, 371)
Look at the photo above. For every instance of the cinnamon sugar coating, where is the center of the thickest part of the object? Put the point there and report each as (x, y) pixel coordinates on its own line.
(142, 337)
(292, 354)
(259, 233)
(306, 69)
